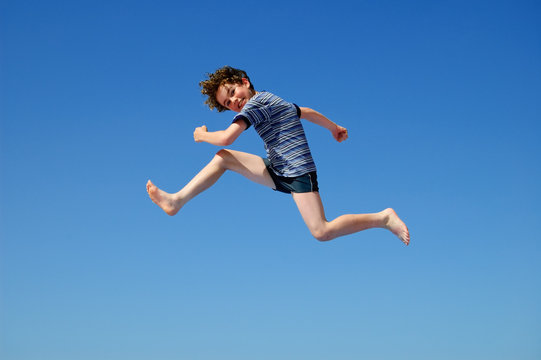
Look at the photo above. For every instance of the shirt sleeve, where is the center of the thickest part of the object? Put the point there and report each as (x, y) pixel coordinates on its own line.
(255, 112)
(298, 110)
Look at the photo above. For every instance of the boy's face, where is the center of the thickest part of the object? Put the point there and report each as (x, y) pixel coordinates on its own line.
(234, 96)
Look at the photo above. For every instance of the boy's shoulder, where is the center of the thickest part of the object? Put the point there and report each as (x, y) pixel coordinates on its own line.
(264, 106)
(263, 98)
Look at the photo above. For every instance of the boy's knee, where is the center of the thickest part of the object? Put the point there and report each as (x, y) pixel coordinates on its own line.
(222, 156)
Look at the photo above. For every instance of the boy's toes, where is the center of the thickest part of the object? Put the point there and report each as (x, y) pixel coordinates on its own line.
(407, 239)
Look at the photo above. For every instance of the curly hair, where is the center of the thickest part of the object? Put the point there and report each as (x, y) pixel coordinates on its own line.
(224, 75)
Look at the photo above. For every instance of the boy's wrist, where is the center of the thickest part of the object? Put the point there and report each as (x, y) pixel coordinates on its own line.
(331, 126)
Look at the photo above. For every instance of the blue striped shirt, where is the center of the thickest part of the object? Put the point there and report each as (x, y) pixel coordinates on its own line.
(277, 122)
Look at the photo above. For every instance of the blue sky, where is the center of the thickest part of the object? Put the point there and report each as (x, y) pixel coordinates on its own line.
(441, 100)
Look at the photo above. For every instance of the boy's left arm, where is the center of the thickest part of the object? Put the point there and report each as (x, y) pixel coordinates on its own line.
(222, 137)
(338, 132)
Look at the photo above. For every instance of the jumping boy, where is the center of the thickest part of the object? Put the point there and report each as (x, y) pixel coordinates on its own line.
(289, 166)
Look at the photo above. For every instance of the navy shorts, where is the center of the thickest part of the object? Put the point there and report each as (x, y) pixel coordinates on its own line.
(297, 184)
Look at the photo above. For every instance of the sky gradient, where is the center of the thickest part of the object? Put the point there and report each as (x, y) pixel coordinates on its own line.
(442, 103)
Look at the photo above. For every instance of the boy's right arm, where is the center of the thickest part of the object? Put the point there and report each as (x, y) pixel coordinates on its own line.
(222, 137)
(338, 132)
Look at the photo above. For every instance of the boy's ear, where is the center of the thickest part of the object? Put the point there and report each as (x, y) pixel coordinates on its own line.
(246, 82)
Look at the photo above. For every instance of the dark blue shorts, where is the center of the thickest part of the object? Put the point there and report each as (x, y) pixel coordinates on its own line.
(297, 184)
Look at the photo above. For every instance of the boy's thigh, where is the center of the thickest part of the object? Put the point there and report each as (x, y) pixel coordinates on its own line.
(311, 208)
(248, 165)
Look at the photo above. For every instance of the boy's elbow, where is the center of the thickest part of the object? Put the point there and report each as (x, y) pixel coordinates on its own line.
(227, 140)
(229, 137)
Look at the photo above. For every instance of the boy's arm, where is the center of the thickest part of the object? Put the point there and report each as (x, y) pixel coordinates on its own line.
(222, 137)
(338, 132)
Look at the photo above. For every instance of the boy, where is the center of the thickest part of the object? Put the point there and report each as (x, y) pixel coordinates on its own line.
(289, 166)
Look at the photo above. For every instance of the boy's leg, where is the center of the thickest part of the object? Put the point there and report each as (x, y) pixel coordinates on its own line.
(311, 209)
(248, 165)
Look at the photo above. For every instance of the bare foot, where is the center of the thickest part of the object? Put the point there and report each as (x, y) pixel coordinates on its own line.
(168, 202)
(396, 226)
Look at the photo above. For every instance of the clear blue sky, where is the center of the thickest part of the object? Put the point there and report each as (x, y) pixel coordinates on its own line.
(442, 103)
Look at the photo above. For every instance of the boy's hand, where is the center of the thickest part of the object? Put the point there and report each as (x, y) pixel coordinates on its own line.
(197, 133)
(340, 133)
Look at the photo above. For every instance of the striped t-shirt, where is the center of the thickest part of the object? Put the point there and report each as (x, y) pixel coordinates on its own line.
(279, 125)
